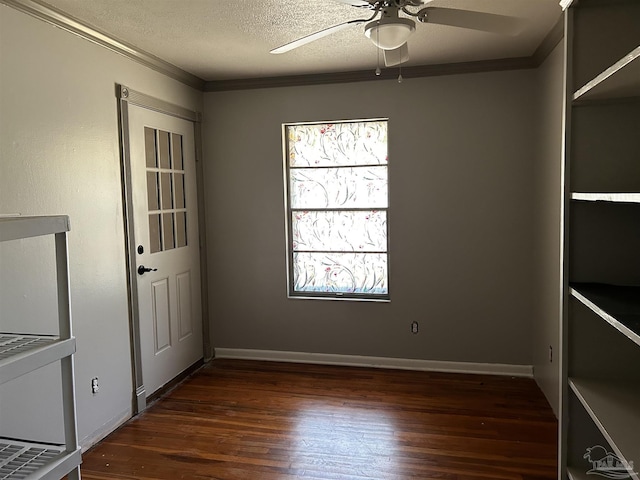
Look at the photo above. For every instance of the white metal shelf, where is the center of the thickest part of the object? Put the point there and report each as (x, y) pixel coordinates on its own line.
(21, 354)
(620, 80)
(613, 407)
(29, 461)
(14, 228)
(606, 197)
(617, 305)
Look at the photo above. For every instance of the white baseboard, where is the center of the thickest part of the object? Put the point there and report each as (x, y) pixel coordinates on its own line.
(107, 428)
(377, 362)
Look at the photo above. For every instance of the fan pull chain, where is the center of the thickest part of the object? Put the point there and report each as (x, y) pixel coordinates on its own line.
(378, 71)
(400, 75)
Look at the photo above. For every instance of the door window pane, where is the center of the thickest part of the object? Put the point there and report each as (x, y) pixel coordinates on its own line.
(155, 243)
(178, 179)
(163, 149)
(150, 147)
(153, 193)
(176, 151)
(167, 230)
(165, 181)
(181, 229)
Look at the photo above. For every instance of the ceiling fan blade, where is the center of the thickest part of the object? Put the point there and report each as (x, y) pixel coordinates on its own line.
(356, 3)
(486, 22)
(396, 56)
(315, 36)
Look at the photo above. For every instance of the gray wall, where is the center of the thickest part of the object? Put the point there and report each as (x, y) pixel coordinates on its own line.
(547, 227)
(462, 156)
(59, 154)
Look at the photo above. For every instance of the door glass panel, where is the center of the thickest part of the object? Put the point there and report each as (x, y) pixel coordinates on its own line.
(166, 198)
(176, 151)
(150, 147)
(167, 230)
(165, 179)
(163, 149)
(178, 179)
(155, 243)
(153, 199)
(181, 229)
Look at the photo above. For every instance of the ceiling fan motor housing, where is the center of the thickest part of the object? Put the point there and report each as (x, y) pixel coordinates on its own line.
(390, 31)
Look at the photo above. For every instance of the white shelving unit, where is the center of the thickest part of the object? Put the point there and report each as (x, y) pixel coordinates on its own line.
(601, 321)
(21, 354)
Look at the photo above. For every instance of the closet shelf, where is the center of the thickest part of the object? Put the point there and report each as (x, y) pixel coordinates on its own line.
(620, 80)
(29, 461)
(606, 197)
(613, 406)
(20, 354)
(617, 305)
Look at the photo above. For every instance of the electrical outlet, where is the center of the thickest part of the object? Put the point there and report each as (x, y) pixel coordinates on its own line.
(550, 354)
(94, 385)
(414, 327)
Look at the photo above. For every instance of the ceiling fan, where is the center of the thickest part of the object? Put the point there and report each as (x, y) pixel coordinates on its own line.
(389, 31)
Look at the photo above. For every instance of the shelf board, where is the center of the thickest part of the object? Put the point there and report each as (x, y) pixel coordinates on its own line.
(617, 305)
(20, 354)
(606, 197)
(15, 227)
(27, 460)
(620, 80)
(614, 409)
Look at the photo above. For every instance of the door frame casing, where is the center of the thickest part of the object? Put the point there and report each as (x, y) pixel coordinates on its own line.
(126, 97)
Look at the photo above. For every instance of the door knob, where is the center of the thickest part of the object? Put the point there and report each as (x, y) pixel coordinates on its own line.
(142, 270)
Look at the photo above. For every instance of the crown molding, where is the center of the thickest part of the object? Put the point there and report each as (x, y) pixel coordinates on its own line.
(60, 19)
(518, 63)
(555, 36)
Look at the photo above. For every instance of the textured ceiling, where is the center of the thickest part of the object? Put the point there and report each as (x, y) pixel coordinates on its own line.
(231, 39)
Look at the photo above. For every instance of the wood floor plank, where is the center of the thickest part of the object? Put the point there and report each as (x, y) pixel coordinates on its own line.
(237, 420)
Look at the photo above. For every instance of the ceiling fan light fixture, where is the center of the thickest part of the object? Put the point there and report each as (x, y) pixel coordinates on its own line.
(389, 34)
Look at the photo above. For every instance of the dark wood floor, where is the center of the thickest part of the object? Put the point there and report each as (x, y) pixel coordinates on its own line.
(273, 421)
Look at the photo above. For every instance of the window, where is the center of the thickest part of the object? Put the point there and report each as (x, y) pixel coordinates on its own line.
(337, 207)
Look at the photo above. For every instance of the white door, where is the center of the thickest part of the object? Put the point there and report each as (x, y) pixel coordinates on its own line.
(164, 198)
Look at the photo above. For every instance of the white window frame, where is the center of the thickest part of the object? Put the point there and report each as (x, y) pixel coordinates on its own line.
(289, 227)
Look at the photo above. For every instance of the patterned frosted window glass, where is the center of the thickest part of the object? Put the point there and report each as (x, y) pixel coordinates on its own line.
(166, 199)
(346, 187)
(337, 208)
